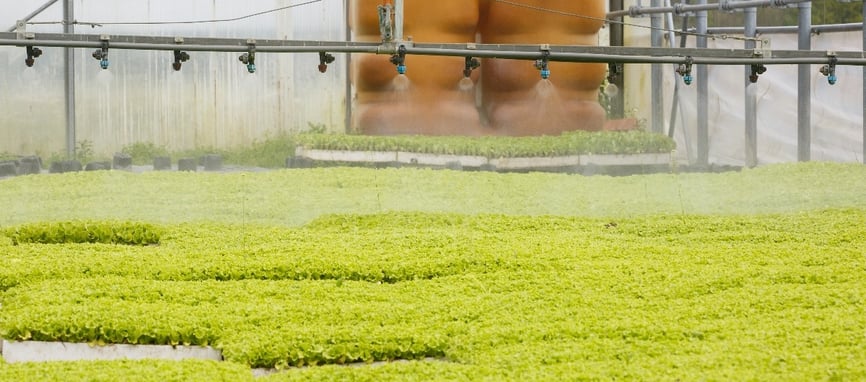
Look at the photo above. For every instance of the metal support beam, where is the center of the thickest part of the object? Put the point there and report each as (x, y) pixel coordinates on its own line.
(69, 77)
(32, 15)
(679, 9)
(751, 116)
(398, 20)
(703, 134)
(804, 86)
(617, 106)
(656, 89)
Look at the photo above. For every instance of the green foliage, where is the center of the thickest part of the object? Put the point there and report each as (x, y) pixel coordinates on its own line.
(128, 233)
(570, 143)
(126, 370)
(295, 197)
(537, 298)
(143, 153)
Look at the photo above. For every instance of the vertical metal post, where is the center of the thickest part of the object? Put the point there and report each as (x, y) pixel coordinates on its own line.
(398, 20)
(804, 86)
(69, 63)
(751, 149)
(657, 93)
(617, 106)
(348, 121)
(864, 87)
(703, 92)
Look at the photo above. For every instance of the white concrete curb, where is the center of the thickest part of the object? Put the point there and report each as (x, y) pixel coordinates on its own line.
(38, 351)
(518, 163)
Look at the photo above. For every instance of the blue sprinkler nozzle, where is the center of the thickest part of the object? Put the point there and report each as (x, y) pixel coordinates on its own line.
(401, 69)
(687, 79)
(103, 63)
(832, 79)
(545, 74)
(251, 68)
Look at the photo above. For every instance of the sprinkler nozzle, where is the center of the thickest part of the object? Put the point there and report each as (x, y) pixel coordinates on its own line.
(542, 64)
(179, 58)
(399, 59)
(829, 70)
(757, 70)
(32, 53)
(471, 64)
(685, 70)
(324, 60)
(101, 54)
(249, 58)
(545, 74)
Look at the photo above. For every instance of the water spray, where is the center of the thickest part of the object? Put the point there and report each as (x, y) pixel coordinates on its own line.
(249, 58)
(685, 70)
(471, 64)
(757, 69)
(101, 54)
(542, 64)
(399, 59)
(32, 53)
(325, 59)
(829, 70)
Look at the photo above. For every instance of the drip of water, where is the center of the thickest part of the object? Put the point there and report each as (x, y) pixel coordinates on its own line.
(465, 84)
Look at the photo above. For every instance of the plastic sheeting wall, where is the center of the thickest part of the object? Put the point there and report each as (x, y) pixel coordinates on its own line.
(212, 102)
(837, 110)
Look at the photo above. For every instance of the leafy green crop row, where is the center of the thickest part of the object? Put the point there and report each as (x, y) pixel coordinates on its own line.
(296, 197)
(125, 370)
(571, 143)
(678, 296)
(129, 233)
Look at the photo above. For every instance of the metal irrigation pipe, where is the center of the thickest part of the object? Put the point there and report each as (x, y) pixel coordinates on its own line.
(506, 52)
(818, 29)
(724, 5)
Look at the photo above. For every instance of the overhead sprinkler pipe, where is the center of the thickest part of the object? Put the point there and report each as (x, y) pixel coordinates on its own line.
(399, 59)
(471, 64)
(680, 9)
(324, 59)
